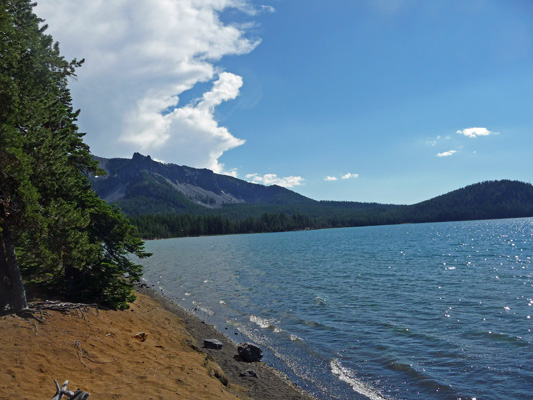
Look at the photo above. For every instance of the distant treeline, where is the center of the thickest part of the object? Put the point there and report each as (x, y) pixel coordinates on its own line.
(182, 225)
(486, 200)
(173, 225)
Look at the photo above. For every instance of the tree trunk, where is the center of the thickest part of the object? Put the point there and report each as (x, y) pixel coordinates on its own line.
(12, 293)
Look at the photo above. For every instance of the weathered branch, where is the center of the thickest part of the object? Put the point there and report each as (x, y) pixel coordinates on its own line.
(64, 307)
(61, 305)
(77, 345)
(63, 391)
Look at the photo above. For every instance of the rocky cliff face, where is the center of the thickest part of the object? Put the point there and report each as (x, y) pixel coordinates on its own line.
(142, 185)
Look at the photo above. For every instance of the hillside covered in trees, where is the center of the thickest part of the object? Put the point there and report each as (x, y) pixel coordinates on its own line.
(167, 200)
(56, 234)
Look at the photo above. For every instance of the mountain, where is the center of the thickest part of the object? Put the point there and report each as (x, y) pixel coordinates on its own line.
(166, 200)
(143, 186)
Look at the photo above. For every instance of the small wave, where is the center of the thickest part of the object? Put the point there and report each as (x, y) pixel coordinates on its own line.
(251, 334)
(422, 379)
(295, 338)
(202, 308)
(320, 301)
(346, 375)
(264, 323)
(500, 337)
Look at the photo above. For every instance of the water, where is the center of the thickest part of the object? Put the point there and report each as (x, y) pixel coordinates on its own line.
(429, 311)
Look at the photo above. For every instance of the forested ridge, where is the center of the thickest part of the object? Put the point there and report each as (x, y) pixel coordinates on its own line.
(167, 200)
(56, 234)
(485, 200)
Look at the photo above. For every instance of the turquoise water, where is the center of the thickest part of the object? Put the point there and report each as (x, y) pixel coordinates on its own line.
(428, 311)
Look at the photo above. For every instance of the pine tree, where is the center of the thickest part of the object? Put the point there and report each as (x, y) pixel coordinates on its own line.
(53, 227)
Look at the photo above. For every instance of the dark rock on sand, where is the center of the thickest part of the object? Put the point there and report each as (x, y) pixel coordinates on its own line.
(250, 352)
(212, 344)
(272, 385)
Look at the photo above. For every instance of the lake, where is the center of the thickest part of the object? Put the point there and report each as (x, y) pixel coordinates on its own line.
(427, 311)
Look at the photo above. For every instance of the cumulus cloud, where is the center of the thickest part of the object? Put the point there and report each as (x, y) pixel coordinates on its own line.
(350, 176)
(273, 179)
(205, 141)
(141, 56)
(475, 132)
(330, 178)
(447, 153)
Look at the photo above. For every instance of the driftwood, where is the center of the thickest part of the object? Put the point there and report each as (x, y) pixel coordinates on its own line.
(61, 306)
(63, 391)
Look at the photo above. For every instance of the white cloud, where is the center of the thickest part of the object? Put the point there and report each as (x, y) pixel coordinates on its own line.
(232, 172)
(205, 141)
(269, 9)
(345, 176)
(350, 176)
(447, 153)
(273, 179)
(141, 56)
(475, 132)
(433, 142)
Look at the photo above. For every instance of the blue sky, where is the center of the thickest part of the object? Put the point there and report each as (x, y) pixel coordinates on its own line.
(337, 100)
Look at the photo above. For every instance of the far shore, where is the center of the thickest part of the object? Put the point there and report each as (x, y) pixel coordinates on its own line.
(96, 350)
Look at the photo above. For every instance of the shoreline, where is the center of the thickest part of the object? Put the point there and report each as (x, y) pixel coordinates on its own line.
(101, 352)
(271, 383)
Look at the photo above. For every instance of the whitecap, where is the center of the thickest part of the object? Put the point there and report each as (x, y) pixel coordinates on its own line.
(346, 375)
(263, 322)
(319, 300)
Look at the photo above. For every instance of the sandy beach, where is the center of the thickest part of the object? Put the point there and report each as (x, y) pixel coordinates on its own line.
(97, 352)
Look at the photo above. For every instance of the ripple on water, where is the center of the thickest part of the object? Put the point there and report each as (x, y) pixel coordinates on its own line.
(412, 309)
(348, 376)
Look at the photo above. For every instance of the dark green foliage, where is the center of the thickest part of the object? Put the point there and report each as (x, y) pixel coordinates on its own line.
(67, 239)
(182, 225)
(487, 200)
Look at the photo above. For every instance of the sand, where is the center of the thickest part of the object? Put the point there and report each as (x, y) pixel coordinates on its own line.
(98, 353)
